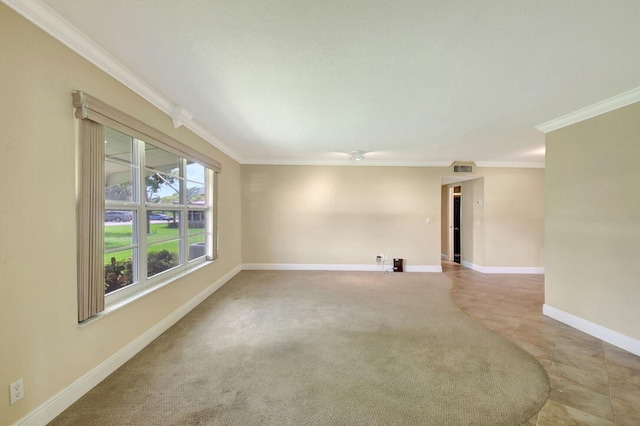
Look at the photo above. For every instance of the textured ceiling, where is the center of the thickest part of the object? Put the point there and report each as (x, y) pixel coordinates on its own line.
(406, 81)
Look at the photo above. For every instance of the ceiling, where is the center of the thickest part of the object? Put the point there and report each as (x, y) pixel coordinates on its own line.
(414, 82)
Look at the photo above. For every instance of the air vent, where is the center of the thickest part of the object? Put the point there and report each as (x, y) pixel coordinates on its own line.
(462, 169)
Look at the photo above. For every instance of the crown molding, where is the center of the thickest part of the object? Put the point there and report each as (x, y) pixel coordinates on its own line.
(618, 101)
(384, 163)
(345, 162)
(511, 164)
(62, 30)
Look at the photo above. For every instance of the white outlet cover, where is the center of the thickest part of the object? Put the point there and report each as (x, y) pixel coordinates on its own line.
(16, 391)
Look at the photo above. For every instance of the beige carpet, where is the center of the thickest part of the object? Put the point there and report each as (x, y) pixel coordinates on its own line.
(322, 348)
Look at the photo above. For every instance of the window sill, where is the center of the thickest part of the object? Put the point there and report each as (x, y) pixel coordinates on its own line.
(113, 307)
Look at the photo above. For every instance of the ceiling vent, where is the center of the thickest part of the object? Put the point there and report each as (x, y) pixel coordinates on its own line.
(466, 168)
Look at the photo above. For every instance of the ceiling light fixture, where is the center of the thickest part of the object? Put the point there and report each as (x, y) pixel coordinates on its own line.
(357, 155)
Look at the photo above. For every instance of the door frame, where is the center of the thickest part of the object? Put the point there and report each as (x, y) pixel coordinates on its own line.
(450, 223)
(452, 228)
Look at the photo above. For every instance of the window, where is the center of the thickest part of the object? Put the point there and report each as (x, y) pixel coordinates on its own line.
(146, 207)
(156, 207)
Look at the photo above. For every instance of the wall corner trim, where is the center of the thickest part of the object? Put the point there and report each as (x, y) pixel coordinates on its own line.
(63, 399)
(610, 336)
(539, 270)
(334, 267)
(615, 102)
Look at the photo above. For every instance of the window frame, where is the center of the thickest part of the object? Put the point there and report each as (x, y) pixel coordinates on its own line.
(141, 208)
(97, 112)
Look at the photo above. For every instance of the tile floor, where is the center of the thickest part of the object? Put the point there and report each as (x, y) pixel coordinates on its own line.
(592, 382)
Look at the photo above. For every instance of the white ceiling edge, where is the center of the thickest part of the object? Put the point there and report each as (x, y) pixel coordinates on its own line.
(347, 162)
(510, 164)
(390, 163)
(607, 105)
(62, 30)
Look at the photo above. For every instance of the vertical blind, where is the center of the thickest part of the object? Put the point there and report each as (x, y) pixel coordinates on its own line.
(90, 220)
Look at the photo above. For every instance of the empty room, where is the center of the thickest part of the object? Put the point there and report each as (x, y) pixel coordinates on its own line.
(285, 213)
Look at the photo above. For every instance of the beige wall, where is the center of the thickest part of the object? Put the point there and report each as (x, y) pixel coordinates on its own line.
(513, 210)
(503, 218)
(347, 215)
(340, 214)
(41, 340)
(593, 220)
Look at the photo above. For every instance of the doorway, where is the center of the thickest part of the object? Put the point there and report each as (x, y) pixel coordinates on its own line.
(457, 208)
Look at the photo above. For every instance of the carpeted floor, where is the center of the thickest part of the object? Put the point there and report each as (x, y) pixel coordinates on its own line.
(293, 348)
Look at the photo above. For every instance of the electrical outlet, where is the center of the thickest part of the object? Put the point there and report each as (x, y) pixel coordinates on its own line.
(16, 390)
(379, 258)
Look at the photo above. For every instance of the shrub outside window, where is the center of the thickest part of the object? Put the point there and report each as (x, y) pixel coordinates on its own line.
(156, 208)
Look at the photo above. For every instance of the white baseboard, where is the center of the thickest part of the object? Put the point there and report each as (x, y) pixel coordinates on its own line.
(63, 399)
(473, 266)
(334, 267)
(610, 336)
(423, 268)
(514, 270)
(308, 267)
(504, 269)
